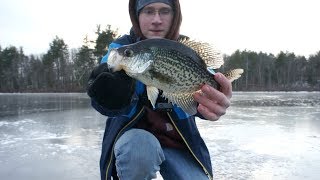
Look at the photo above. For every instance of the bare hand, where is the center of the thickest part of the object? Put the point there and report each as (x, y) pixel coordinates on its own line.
(213, 103)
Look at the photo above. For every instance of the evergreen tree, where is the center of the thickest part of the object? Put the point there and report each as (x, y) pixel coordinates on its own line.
(104, 38)
(55, 64)
(9, 73)
(84, 62)
(313, 72)
(35, 74)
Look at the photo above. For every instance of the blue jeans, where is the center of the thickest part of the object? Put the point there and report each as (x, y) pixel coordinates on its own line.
(139, 156)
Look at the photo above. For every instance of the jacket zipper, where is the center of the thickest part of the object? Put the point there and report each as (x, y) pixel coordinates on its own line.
(117, 137)
(204, 168)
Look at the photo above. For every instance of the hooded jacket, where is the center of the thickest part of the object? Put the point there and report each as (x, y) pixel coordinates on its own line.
(121, 120)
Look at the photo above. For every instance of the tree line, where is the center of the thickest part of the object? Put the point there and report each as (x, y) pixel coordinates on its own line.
(283, 72)
(62, 69)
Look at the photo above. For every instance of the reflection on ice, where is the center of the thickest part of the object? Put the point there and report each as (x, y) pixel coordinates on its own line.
(304, 99)
(27, 103)
(16, 123)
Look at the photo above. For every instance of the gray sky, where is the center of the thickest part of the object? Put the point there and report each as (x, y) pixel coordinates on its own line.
(269, 26)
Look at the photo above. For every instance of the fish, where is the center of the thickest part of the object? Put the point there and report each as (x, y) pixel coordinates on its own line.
(178, 69)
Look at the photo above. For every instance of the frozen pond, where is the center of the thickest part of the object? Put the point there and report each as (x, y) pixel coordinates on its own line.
(263, 136)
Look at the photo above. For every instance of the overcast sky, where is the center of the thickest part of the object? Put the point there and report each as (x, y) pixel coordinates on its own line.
(269, 26)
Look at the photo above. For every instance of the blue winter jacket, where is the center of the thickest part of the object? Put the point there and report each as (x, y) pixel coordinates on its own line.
(123, 119)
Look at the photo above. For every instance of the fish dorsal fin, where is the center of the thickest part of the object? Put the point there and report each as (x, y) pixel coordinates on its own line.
(233, 74)
(211, 56)
(152, 93)
(185, 101)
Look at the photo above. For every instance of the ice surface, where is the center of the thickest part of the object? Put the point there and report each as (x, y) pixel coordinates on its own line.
(263, 136)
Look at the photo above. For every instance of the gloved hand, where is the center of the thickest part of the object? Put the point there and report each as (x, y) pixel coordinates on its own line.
(110, 90)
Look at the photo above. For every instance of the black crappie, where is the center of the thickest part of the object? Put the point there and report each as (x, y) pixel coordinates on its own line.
(179, 69)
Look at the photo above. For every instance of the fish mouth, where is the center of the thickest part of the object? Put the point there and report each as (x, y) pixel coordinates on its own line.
(113, 61)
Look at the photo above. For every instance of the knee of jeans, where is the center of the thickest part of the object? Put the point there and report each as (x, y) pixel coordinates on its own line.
(139, 144)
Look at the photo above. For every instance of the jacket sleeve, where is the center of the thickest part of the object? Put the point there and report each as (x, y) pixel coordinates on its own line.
(127, 111)
(110, 88)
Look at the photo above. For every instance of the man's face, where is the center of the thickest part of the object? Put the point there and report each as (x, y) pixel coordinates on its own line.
(155, 20)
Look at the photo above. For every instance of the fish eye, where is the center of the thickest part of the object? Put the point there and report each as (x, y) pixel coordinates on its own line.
(128, 52)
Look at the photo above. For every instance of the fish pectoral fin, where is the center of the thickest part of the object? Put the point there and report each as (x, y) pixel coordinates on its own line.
(152, 93)
(185, 101)
(233, 74)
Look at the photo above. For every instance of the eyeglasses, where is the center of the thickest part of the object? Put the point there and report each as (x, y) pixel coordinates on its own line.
(163, 12)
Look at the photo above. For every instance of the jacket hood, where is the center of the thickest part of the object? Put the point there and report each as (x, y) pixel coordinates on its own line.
(174, 31)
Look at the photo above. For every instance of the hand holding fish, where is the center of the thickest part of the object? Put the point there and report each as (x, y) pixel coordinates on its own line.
(212, 102)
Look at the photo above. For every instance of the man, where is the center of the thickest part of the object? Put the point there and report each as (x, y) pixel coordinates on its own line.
(140, 140)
